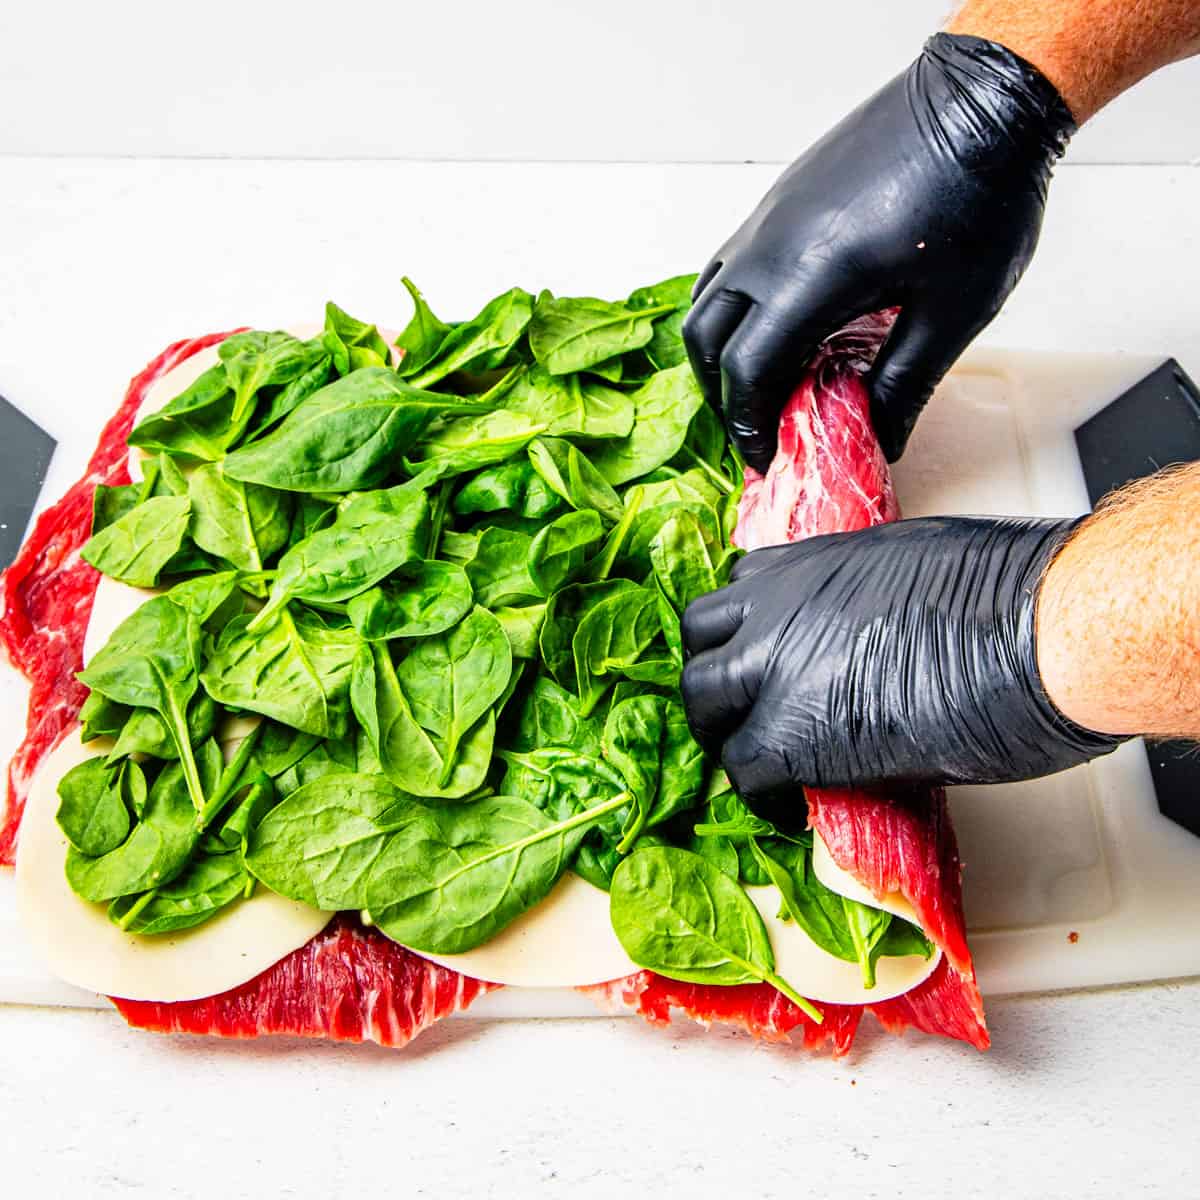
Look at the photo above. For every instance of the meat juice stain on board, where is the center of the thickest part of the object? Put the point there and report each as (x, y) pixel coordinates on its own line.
(1154, 424)
(25, 453)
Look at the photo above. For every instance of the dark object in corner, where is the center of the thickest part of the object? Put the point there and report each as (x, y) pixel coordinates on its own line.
(25, 453)
(1155, 423)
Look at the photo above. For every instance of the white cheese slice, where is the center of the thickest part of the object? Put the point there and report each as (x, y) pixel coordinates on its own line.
(80, 944)
(568, 941)
(842, 882)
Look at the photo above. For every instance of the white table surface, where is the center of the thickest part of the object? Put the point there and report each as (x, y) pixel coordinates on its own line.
(1092, 1094)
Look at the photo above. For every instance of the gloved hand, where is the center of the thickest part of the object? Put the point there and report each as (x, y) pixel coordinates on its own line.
(903, 652)
(928, 196)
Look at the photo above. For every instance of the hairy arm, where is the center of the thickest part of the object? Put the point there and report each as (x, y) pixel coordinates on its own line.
(1091, 50)
(1118, 632)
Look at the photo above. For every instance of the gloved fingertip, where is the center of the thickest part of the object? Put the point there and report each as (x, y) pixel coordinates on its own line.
(757, 450)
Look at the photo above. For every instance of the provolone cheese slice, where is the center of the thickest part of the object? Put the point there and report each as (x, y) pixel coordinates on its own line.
(842, 882)
(568, 941)
(80, 944)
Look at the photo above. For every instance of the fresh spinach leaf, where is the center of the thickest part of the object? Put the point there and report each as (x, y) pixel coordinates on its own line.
(419, 599)
(208, 597)
(499, 572)
(257, 359)
(611, 637)
(521, 625)
(151, 661)
(145, 731)
(295, 670)
(570, 334)
(471, 442)
(451, 878)
(242, 523)
(345, 437)
(550, 716)
(665, 348)
(92, 810)
(374, 534)
(351, 343)
(677, 914)
(276, 403)
(136, 547)
(570, 405)
(422, 336)
(196, 424)
(570, 474)
(453, 679)
(483, 343)
(408, 755)
(208, 884)
(319, 844)
(558, 554)
(867, 928)
(647, 739)
(512, 486)
(564, 612)
(101, 717)
(665, 406)
(281, 747)
(161, 842)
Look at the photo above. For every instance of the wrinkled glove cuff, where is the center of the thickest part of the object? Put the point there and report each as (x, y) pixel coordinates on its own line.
(995, 90)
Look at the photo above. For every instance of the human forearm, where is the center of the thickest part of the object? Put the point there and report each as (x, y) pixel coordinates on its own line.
(1118, 630)
(1091, 50)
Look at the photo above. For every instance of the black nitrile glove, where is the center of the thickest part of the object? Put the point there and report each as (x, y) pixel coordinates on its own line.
(929, 196)
(904, 652)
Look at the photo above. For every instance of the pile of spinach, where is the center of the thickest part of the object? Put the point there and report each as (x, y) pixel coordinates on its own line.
(449, 591)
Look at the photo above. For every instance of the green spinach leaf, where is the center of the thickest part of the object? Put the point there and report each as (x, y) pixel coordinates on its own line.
(351, 343)
(422, 336)
(665, 348)
(242, 523)
(573, 333)
(151, 661)
(295, 670)
(483, 343)
(453, 679)
(136, 547)
(196, 424)
(161, 842)
(451, 878)
(319, 844)
(512, 486)
(420, 599)
(345, 437)
(93, 812)
(665, 406)
(373, 535)
(570, 474)
(677, 914)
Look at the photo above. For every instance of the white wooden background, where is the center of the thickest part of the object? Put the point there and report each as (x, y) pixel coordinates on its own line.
(560, 80)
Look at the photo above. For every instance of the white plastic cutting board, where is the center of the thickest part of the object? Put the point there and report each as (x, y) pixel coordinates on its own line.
(1072, 881)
